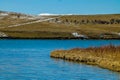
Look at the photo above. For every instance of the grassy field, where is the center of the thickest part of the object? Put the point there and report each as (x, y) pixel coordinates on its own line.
(39, 30)
(105, 56)
(12, 18)
(6, 21)
(64, 26)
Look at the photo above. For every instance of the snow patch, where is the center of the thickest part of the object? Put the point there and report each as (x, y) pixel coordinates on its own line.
(4, 14)
(75, 34)
(48, 14)
(3, 34)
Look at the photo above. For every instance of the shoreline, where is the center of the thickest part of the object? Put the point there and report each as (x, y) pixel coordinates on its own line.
(105, 57)
(58, 38)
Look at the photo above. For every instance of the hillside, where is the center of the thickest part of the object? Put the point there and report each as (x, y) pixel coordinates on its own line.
(62, 27)
(11, 18)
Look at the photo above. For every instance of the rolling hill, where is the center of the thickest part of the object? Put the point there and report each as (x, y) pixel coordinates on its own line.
(60, 26)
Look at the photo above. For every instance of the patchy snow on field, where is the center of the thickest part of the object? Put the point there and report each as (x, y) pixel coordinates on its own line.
(3, 34)
(4, 14)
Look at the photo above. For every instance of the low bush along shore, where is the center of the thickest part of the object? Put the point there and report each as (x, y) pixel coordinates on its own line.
(106, 56)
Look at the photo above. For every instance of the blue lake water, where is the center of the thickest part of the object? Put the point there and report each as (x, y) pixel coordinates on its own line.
(30, 60)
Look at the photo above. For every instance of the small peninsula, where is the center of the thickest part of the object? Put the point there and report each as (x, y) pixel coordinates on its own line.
(107, 57)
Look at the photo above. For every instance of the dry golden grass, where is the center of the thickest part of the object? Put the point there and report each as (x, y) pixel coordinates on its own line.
(39, 30)
(105, 56)
(106, 17)
(7, 21)
(93, 31)
(42, 26)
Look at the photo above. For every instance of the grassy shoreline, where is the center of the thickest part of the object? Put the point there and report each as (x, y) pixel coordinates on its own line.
(105, 57)
(56, 38)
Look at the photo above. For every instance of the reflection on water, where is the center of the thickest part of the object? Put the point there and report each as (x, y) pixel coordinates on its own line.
(29, 60)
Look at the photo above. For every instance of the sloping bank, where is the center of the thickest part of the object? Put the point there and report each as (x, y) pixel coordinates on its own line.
(106, 56)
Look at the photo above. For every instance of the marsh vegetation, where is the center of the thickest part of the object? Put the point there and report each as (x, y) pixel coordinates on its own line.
(105, 56)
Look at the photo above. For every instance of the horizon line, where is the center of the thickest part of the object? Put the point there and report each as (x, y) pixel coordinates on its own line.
(60, 13)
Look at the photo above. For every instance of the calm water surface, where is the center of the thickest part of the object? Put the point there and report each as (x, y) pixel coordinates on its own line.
(29, 60)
